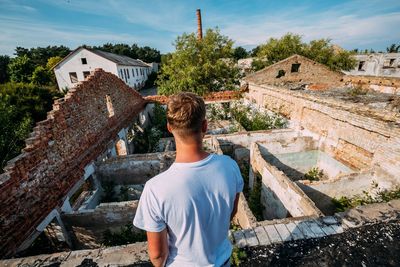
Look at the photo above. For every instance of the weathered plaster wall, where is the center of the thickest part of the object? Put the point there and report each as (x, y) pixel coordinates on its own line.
(309, 72)
(359, 136)
(294, 201)
(87, 227)
(76, 132)
(134, 169)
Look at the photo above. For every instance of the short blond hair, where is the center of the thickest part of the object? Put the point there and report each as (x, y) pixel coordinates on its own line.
(186, 113)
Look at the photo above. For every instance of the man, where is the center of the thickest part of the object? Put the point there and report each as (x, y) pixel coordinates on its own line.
(187, 209)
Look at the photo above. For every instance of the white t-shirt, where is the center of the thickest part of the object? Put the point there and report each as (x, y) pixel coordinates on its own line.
(195, 201)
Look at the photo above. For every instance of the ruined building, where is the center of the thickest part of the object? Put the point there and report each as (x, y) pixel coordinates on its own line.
(81, 172)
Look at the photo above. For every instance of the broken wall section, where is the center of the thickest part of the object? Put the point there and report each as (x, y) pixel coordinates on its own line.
(76, 132)
(280, 196)
(360, 137)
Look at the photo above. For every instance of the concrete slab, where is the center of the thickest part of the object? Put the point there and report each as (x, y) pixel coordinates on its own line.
(283, 232)
(273, 234)
(240, 239)
(305, 230)
(251, 237)
(262, 236)
(295, 231)
(315, 228)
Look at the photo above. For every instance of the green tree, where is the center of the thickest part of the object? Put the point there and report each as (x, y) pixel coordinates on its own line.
(199, 66)
(41, 76)
(393, 48)
(20, 69)
(51, 62)
(13, 131)
(320, 50)
(146, 53)
(20, 106)
(240, 53)
(40, 55)
(4, 61)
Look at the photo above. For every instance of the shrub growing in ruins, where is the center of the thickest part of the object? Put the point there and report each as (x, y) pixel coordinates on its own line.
(254, 199)
(126, 235)
(254, 120)
(343, 203)
(321, 50)
(199, 66)
(237, 256)
(357, 90)
(146, 140)
(314, 174)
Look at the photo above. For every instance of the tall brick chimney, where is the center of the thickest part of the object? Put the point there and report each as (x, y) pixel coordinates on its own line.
(199, 26)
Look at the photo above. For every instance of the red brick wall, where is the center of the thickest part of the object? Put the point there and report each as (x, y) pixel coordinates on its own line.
(76, 131)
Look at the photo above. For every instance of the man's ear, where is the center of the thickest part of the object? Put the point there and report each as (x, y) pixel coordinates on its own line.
(169, 128)
(204, 126)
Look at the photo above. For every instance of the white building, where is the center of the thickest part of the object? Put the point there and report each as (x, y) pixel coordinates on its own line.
(378, 64)
(79, 63)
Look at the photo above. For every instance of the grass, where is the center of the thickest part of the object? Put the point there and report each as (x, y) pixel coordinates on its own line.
(344, 203)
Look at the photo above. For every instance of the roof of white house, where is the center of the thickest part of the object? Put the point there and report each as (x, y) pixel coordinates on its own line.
(118, 59)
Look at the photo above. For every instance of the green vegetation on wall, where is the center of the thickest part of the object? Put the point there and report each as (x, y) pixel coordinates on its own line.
(343, 203)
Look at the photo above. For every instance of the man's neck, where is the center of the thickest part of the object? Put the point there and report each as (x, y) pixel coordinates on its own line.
(189, 152)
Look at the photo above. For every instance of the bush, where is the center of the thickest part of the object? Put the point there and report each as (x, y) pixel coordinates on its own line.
(314, 174)
(343, 203)
(124, 236)
(237, 256)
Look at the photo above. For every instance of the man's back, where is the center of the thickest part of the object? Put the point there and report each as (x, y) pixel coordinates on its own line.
(194, 201)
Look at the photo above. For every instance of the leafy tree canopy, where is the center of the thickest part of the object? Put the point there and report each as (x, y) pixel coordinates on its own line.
(51, 62)
(320, 50)
(20, 69)
(40, 55)
(4, 76)
(41, 76)
(199, 66)
(240, 53)
(393, 48)
(20, 106)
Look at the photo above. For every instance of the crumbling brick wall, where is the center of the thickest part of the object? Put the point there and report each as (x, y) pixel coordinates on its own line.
(390, 85)
(308, 72)
(76, 132)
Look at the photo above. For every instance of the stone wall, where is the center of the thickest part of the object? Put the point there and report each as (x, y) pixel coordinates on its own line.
(359, 136)
(87, 227)
(280, 196)
(134, 169)
(309, 72)
(75, 133)
(390, 85)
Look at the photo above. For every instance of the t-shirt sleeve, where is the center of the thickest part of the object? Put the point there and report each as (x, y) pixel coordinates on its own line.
(148, 215)
(239, 178)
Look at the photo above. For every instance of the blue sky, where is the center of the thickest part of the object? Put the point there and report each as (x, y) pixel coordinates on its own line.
(350, 24)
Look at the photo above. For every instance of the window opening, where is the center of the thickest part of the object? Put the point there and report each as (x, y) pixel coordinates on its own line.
(295, 67)
(281, 73)
(73, 77)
